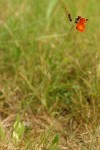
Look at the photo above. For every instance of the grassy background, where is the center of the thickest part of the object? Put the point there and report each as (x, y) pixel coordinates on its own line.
(46, 87)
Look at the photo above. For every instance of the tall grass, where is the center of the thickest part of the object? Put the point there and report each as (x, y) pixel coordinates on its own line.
(40, 74)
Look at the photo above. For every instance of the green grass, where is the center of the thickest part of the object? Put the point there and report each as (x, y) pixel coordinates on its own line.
(54, 88)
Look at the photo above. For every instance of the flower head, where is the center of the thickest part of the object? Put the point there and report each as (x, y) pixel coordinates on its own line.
(80, 24)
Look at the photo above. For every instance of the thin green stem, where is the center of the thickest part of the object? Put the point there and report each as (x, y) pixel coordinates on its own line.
(57, 51)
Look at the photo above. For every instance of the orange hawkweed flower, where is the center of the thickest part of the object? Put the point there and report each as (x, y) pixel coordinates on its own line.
(80, 24)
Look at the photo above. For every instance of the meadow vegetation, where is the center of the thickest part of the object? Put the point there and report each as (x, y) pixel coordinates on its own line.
(49, 91)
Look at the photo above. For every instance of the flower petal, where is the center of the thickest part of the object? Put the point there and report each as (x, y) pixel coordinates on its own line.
(80, 27)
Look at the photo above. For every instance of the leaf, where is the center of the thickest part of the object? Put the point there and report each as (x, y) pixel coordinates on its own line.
(17, 53)
(19, 129)
(2, 134)
(51, 7)
(56, 139)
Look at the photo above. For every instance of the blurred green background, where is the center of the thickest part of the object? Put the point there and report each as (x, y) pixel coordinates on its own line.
(30, 34)
(53, 86)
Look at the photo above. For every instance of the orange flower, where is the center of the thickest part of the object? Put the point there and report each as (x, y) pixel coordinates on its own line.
(80, 25)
